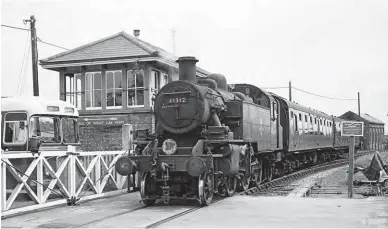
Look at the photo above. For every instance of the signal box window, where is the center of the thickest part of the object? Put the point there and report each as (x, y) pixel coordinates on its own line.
(93, 89)
(114, 89)
(73, 89)
(157, 81)
(135, 89)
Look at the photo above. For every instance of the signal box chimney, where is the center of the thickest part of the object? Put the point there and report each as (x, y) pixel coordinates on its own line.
(136, 33)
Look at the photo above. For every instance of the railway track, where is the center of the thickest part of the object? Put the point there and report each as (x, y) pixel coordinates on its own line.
(280, 185)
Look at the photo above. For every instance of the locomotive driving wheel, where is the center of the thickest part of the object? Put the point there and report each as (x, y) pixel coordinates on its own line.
(205, 188)
(147, 186)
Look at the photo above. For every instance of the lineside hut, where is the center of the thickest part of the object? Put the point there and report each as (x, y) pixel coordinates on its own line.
(111, 82)
(373, 130)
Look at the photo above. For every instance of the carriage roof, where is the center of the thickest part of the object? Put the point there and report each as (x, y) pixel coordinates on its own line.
(35, 105)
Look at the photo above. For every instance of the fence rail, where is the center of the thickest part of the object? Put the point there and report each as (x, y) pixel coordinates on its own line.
(54, 178)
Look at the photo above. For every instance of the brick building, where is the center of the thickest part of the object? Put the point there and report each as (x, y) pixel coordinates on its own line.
(112, 82)
(373, 130)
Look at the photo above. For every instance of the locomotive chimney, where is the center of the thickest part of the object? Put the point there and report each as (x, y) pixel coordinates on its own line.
(187, 69)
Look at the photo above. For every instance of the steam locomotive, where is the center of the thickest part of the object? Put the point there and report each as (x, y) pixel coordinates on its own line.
(214, 138)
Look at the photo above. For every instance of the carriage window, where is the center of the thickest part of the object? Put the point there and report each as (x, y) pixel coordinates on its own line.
(15, 132)
(296, 123)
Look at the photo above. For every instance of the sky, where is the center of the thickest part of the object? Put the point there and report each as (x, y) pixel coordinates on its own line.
(330, 48)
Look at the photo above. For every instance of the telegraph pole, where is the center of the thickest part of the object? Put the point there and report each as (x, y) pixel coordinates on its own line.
(34, 52)
(289, 91)
(359, 104)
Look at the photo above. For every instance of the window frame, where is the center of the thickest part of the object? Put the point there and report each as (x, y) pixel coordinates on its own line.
(59, 128)
(25, 130)
(114, 89)
(162, 79)
(76, 130)
(92, 90)
(74, 92)
(135, 88)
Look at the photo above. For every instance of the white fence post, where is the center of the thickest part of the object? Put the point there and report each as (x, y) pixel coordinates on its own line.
(3, 186)
(97, 174)
(39, 173)
(127, 137)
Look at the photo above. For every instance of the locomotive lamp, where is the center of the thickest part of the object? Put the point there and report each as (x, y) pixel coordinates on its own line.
(169, 146)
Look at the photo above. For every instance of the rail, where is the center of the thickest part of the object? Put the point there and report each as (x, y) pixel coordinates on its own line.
(56, 178)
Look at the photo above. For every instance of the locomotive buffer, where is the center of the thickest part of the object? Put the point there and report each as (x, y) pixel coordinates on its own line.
(351, 129)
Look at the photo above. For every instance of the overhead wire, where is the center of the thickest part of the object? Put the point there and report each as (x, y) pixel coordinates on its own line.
(52, 44)
(322, 96)
(22, 67)
(26, 68)
(14, 27)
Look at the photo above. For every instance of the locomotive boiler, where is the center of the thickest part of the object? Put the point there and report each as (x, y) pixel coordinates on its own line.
(198, 148)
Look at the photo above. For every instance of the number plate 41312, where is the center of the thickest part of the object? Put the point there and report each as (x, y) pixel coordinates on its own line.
(177, 100)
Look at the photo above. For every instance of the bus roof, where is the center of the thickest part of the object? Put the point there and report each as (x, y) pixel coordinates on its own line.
(35, 105)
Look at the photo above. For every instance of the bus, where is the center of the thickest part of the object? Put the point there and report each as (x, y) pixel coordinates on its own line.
(32, 124)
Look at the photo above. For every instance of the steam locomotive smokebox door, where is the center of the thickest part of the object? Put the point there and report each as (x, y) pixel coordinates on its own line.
(180, 107)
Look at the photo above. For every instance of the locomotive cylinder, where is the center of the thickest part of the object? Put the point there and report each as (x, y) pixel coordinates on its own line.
(187, 69)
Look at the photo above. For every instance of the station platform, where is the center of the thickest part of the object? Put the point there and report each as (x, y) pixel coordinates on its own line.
(235, 212)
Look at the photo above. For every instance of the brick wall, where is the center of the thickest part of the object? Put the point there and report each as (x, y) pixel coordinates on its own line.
(108, 138)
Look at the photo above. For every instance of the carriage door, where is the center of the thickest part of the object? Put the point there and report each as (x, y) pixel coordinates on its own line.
(274, 125)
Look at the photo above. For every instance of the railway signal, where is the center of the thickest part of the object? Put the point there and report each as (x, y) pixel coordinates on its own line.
(351, 129)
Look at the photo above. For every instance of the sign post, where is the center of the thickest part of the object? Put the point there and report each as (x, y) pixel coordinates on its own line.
(351, 129)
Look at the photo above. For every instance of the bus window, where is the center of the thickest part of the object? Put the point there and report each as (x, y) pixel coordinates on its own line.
(45, 127)
(69, 130)
(15, 132)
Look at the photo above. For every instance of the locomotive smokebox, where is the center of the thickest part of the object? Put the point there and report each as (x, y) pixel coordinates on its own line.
(187, 68)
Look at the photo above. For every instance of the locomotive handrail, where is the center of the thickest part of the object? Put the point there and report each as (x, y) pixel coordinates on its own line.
(176, 93)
